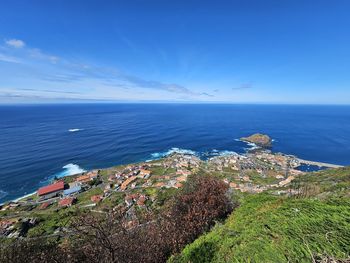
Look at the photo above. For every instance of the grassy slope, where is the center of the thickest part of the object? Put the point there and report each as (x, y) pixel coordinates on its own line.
(267, 228)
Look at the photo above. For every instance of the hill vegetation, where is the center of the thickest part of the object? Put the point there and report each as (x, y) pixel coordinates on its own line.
(311, 226)
(307, 220)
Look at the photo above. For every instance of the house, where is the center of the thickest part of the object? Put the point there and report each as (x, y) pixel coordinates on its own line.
(159, 184)
(83, 179)
(71, 191)
(178, 185)
(182, 178)
(108, 187)
(131, 198)
(6, 223)
(233, 185)
(50, 191)
(141, 201)
(73, 184)
(67, 202)
(44, 205)
(145, 173)
(96, 198)
(127, 182)
(183, 172)
(111, 178)
(93, 174)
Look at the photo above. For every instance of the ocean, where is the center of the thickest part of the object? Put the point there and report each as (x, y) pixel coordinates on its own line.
(38, 142)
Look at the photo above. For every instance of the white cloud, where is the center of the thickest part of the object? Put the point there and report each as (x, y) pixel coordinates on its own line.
(16, 43)
(38, 54)
(9, 59)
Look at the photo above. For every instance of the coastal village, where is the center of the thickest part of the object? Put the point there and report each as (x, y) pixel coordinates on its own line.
(140, 187)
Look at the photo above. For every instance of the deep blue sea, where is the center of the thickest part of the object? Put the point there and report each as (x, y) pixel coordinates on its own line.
(39, 142)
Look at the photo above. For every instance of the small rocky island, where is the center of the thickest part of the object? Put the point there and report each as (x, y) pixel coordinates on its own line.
(259, 139)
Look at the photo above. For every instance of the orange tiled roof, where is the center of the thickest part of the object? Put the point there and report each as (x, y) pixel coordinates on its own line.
(178, 185)
(141, 200)
(144, 171)
(159, 184)
(181, 178)
(66, 201)
(83, 178)
(127, 182)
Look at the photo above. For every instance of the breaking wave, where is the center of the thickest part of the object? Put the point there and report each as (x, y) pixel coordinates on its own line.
(75, 130)
(158, 155)
(252, 146)
(202, 155)
(70, 169)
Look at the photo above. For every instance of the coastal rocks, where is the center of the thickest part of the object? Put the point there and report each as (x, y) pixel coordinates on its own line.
(259, 139)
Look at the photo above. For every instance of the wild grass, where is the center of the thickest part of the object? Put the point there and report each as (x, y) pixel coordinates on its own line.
(276, 229)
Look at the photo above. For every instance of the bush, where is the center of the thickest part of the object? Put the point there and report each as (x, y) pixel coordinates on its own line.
(108, 237)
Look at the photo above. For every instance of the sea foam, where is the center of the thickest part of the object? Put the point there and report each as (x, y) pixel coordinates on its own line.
(70, 169)
(158, 155)
(75, 130)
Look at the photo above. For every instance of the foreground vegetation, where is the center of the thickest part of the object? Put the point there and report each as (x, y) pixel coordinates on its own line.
(272, 229)
(312, 226)
(106, 237)
(305, 221)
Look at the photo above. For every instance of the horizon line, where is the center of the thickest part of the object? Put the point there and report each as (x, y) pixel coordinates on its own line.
(85, 102)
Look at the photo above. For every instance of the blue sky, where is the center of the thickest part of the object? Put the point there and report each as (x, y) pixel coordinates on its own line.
(176, 51)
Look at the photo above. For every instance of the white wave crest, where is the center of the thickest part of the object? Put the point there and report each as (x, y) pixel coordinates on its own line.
(171, 151)
(227, 153)
(70, 169)
(75, 130)
(3, 194)
(253, 146)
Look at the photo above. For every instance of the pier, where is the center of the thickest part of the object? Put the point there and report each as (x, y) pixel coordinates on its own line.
(320, 164)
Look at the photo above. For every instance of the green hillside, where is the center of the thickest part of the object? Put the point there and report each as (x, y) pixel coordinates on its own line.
(312, 225)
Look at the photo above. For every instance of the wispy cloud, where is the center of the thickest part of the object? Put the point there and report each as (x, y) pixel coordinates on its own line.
(243, 86)
(65, 73)
(16, 43)
(9, 59)
(38, 54)
(50, 91)
(206, 94)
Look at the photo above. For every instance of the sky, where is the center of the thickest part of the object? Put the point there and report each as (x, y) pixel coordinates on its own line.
(251, 51)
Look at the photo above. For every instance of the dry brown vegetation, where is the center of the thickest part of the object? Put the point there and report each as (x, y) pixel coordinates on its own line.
(108, 238)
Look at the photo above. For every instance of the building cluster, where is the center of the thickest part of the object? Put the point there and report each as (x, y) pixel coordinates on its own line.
(241, 172)
(180, 162)
(261, 163)
(8, 226)
(126, 179)
(65, 193)
(135, 198)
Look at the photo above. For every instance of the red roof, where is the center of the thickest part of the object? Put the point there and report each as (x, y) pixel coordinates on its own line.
(96, 198)
(59, 186)
(66, 202)
(44, 205)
